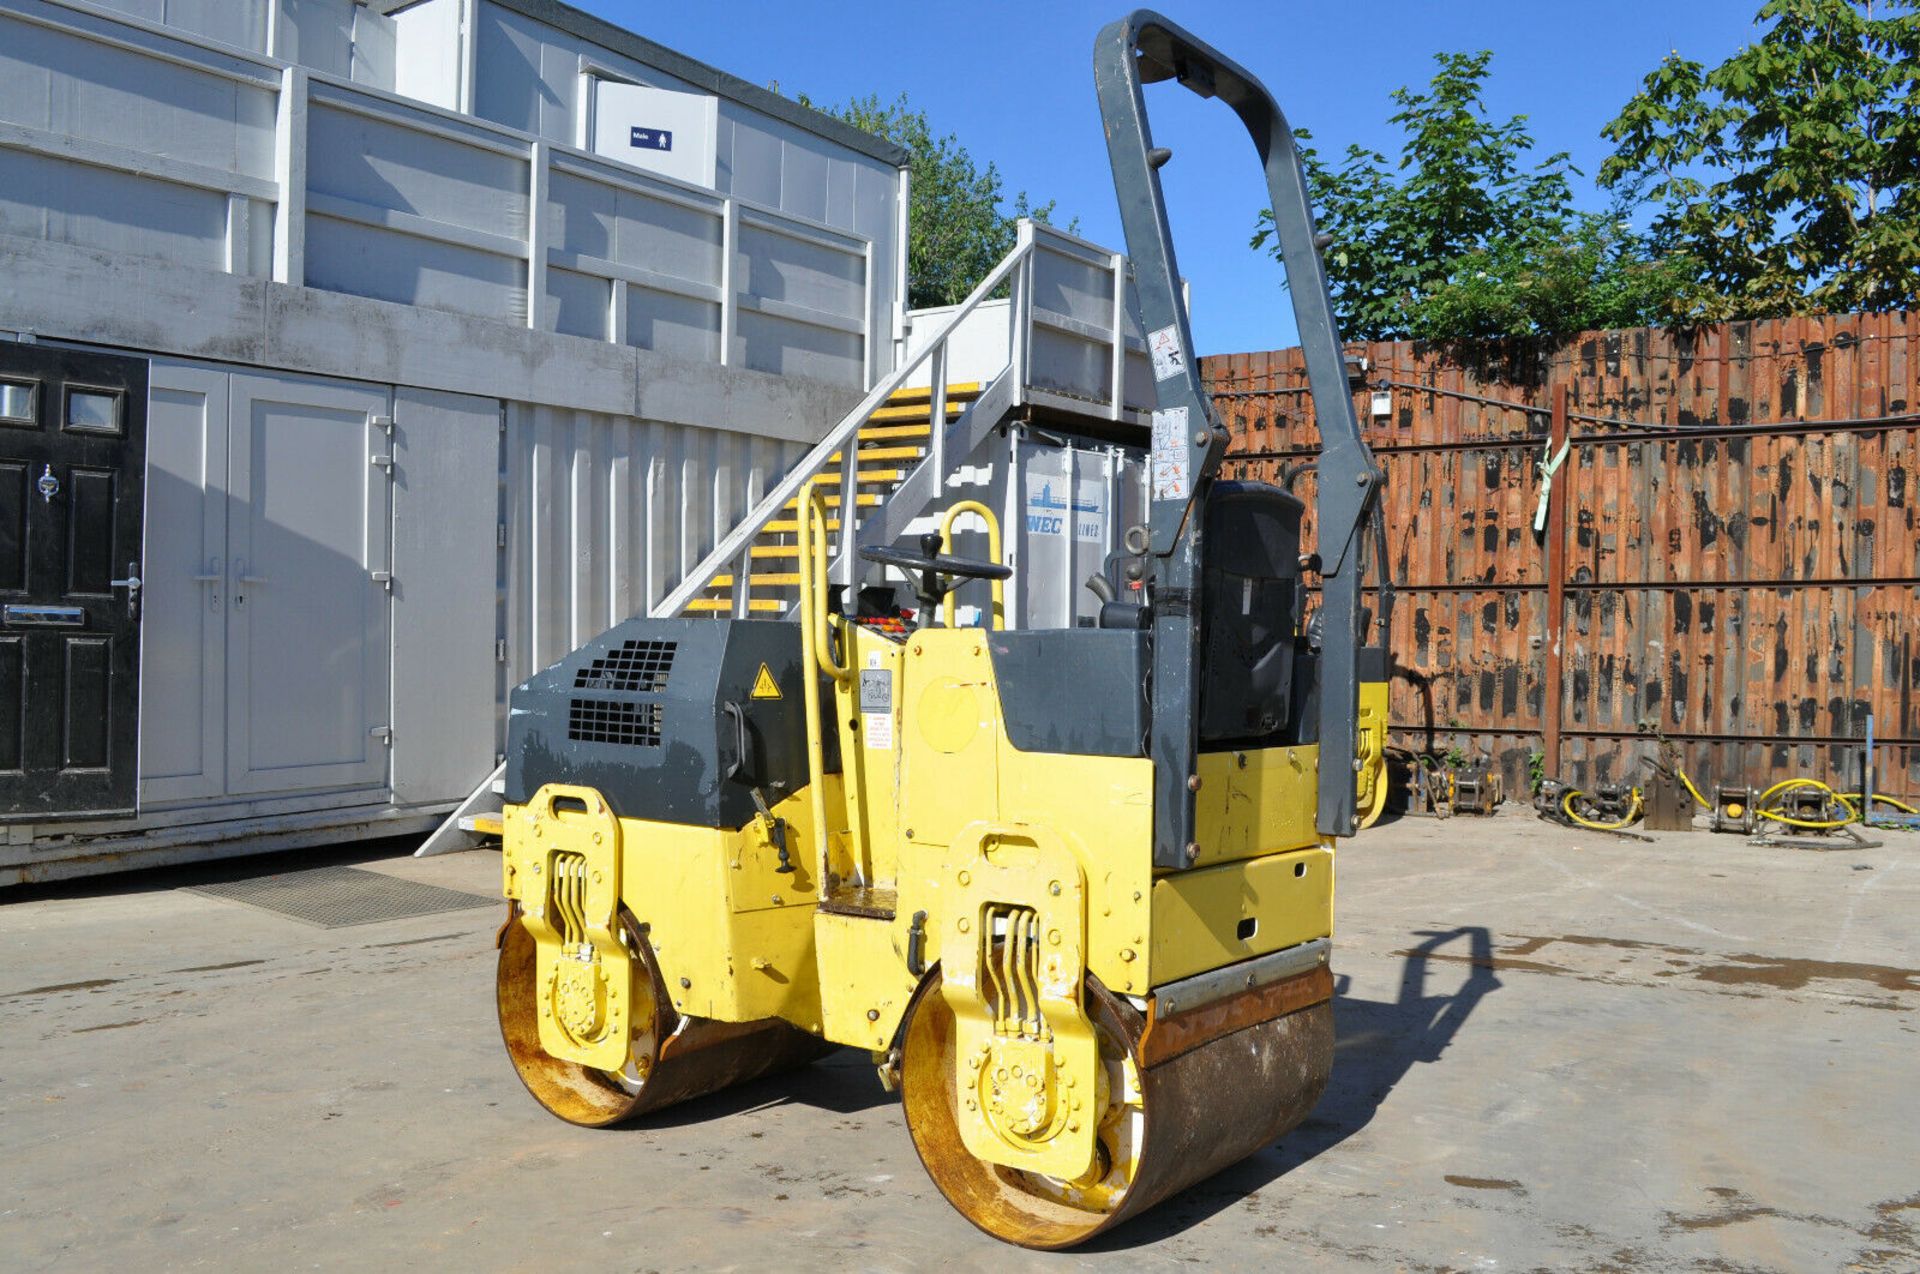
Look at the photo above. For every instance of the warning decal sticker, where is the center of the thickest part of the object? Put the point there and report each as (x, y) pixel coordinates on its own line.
(876, 708)
(1171, 459)
(764, 686)
(1168, 360)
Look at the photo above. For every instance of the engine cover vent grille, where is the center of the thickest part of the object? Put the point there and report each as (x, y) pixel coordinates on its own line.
(632, 666)
(614, 721)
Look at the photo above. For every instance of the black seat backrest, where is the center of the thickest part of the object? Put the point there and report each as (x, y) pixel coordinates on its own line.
(1250, 564)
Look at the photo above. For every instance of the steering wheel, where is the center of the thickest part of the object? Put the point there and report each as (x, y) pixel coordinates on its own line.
(932, 571)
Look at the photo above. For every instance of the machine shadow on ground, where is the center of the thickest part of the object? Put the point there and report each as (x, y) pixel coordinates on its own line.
(1376, 1044)
(843, 1082)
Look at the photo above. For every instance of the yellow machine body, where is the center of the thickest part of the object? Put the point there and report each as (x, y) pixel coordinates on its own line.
(1073, 891)
(1371, 768)
(940, 845)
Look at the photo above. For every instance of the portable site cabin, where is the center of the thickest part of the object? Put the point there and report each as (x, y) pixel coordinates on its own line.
(359, 358)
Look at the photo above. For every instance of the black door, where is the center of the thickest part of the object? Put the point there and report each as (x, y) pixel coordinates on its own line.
(73, 441)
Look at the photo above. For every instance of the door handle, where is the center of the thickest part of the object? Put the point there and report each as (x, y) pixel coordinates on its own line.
(132, 584)
(243, 577)
(214, 576)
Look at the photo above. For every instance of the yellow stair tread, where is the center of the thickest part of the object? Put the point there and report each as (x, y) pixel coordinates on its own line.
(911, 412)
(720, 605)
(775, 550)
(924, 393)
(867, 500)
(485, 824)
(831, 477)
(772, 579)
(789, 526)
(883, 432)
(880, 453)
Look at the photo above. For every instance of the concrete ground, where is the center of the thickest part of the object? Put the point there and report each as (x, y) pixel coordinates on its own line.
(1557, 1051)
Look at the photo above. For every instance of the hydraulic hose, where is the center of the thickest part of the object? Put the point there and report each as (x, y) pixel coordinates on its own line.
(1765, 806)
(1852, 801)
(1833, 798)
(1383, 572)
(1633, 812)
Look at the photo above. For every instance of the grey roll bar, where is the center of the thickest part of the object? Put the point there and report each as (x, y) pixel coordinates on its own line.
(1188, 444)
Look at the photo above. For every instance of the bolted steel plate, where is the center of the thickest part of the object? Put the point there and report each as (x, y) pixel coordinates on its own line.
(339, 897)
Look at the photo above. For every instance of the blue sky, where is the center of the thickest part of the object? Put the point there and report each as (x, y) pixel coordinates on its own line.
(1015, 82)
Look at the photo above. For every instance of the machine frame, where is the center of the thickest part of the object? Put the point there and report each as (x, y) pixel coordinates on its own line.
(1095, 966)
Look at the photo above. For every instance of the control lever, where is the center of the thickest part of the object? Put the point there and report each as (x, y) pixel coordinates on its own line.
(745, 768)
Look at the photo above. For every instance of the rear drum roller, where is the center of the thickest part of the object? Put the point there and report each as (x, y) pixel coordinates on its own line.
(1163, 1126)
(672, 1057)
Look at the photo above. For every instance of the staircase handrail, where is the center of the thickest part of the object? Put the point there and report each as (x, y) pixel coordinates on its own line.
(844, 436)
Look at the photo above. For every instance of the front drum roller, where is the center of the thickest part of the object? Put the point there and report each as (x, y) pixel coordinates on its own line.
(1166, 1125)
(673, 1058)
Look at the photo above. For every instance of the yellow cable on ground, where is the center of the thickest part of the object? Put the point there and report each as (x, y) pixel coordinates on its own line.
(1633, 812)
(1852, 801)
(1700, 800)
(1812, 824)
(1848, 801)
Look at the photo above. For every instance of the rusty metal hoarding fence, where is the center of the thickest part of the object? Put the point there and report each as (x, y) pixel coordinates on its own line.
(1728, 554)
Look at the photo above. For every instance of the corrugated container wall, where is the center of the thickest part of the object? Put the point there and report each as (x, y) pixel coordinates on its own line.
(609, 513)
(556, 377)
(531, 76)
(1735, 535)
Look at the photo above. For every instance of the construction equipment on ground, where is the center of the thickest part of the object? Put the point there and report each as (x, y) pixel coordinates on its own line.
(1732, 809)
(1071, 887)
(1607, 807)
(1797, 813)
(1371, 770)
(1464, 787)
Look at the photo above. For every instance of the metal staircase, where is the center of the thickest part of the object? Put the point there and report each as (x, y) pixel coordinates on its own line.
(895, 438)
(1068, 347)
(885, 496)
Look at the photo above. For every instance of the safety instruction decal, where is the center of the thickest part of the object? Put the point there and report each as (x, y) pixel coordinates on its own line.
(876, 708)
(1168, 359)
(764, 686)
(876, 690)
(1172, 461)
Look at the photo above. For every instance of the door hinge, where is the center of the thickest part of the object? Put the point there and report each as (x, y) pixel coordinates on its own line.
(383, 578)
(384, 733)
(500, 651)
(385, 424)
(500, 536)
(385, 462)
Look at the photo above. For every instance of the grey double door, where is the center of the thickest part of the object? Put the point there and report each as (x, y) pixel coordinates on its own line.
(267, 644)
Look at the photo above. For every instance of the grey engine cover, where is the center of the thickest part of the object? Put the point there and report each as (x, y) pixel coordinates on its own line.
(639, 715)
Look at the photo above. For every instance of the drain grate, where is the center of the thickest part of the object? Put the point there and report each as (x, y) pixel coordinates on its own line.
(338, 897)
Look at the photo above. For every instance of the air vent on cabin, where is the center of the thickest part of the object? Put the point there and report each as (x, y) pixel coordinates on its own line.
(633, 666)
(612, 721)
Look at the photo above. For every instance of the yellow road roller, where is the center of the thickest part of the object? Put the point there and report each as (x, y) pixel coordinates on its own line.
(1072, 889)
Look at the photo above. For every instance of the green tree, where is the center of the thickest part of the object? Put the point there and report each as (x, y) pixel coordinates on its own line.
(1466, 234)
(1788, 172)
(957, 231)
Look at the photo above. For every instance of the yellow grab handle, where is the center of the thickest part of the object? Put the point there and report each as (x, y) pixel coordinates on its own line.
(816, 632)
(993, 553)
